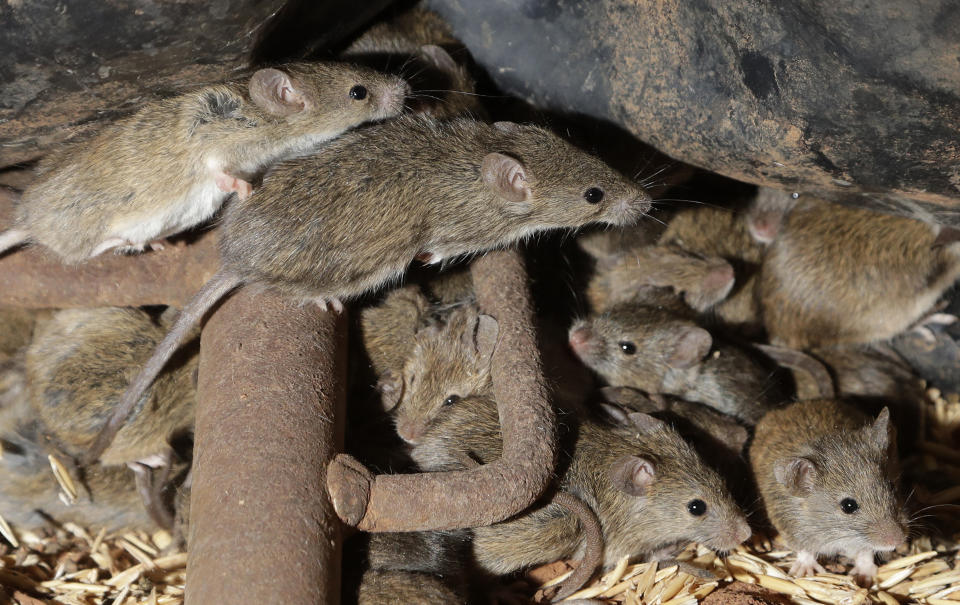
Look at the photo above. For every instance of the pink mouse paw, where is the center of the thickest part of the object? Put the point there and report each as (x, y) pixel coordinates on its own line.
(158, 244)
(806, 565)
(326, 304)
(864, 570)
(232, 184)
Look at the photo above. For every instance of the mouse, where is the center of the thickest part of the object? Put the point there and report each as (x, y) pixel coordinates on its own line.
(171, 165)
(658, 348)
(446, 363)
(418, 45)
(836, 275)
(78, 366)
(388, 328)
(29, 493)
(701, 281)
(455, 187)
(826, 474)
(727, 233)
(648, 487)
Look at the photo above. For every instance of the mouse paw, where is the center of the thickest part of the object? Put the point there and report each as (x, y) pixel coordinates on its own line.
(232, 184)
(806, 565)
(157, 244)
(934, 319)
(864, 570)
(328, 304)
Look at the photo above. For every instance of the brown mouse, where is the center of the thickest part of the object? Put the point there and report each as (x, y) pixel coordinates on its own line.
(827, 476)
(29, 493)
(725, 233)
(352, 218)
(648, 487)
(171, 165)
(657, 348)
(446, 364)
(78, 366)
(838, 275)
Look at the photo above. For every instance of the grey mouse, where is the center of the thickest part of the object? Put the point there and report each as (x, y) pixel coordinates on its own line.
(171, 165)
(656, 347)
(351, 219)
(648, 487)
(827, 476)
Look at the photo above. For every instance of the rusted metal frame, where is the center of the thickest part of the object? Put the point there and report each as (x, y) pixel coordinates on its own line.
(269, 419)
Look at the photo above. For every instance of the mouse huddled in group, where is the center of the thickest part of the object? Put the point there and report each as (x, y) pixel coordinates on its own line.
(721, 357)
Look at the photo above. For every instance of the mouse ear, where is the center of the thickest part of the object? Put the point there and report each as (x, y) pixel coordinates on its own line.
(506, 177)
(485, 336)
(275, 92)
(633, 399)
(796, 474)
(390, 386)
(632, 475)
(439, 57)
(880, 430)
(692, 345)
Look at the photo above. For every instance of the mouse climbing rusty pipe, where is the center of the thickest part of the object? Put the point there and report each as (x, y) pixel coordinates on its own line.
(490, 493)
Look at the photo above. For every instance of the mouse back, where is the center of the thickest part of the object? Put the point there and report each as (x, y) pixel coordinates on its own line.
(79, 365)
(456, 187)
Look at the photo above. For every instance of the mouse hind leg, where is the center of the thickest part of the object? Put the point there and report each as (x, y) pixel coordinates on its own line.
(151, 476)
(231, 184)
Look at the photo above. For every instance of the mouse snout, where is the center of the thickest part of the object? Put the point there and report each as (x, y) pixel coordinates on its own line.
(889, 536)
(581, 340)
(741, 531)
(410, 431)
(628, 209)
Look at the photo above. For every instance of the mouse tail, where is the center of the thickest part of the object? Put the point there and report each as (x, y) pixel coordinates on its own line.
(11, 238)
(215, 289)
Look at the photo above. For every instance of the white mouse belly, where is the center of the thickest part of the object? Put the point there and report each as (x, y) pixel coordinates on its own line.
(199, 204)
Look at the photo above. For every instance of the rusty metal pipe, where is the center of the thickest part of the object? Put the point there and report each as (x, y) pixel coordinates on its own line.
(269, 419)
(492, 492)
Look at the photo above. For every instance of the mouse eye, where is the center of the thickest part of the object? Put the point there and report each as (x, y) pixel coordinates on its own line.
(358, 92)
(451, 399)
(849, 506)
(697, 507)
(627, 347)
(593, 195)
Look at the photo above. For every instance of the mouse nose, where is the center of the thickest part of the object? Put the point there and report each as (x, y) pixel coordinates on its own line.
(628, 209)
(409, 431)
(891, 535)
(741, 531)
(581, 340)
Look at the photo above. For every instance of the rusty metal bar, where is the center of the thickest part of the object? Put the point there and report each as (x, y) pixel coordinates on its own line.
(269, 419)
(34, 278)
(492, 492)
